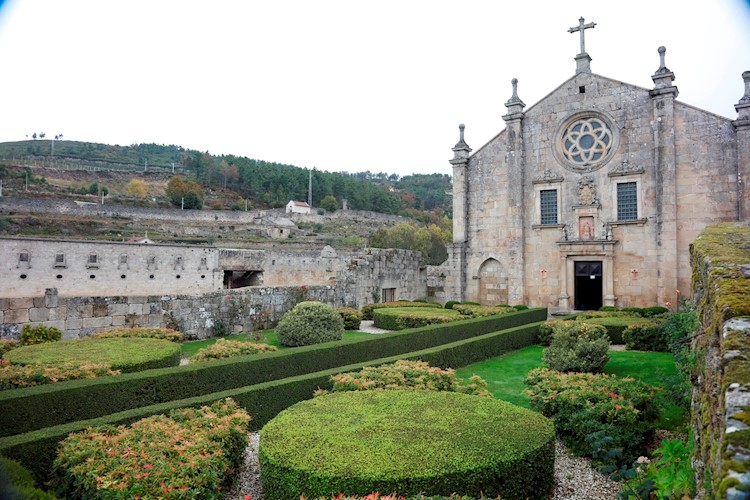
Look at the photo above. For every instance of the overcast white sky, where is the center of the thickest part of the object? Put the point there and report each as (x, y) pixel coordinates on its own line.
(341, 85)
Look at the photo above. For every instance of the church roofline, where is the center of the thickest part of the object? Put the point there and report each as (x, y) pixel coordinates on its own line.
(592, 75)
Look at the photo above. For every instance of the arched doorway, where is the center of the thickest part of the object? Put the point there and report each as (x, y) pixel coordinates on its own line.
(493, 283)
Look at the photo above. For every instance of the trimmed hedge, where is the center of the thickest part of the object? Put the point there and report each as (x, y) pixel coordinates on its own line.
(369, 308)
(124, 354)
(33, 408)
(263, 401)
(421, 442)
(397, 318)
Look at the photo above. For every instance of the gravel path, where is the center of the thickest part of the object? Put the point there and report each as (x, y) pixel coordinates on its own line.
(574, 477)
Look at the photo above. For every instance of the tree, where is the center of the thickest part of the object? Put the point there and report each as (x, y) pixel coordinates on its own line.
(186, 194)
(329, 203)
(136, 188)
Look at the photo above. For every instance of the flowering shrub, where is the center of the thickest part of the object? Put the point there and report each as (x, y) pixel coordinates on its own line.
(583, 403)
(668, 475)
(352, 318)
(394, 496)
(39, 334)
(192, 453)
(224, 348)
(7, 345)
(578, 347)
(628, 311)
(151, 333)
(310, 323)
(406, 375)
(15, 376)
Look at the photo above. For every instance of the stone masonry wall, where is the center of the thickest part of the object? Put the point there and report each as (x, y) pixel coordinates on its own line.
(197, 316)
(721, 399)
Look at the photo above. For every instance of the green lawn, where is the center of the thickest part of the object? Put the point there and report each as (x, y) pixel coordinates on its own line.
(505, 375)
(266, 337)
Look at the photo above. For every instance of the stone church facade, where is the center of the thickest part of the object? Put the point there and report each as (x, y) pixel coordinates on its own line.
(593, 195)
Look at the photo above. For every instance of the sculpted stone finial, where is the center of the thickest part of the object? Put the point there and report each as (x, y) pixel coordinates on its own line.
(580, 28)
(662, 66)
(746, 98)
(514, 99)
(461, 150)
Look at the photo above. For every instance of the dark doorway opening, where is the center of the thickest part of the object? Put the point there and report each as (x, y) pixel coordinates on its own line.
(588, 293)
(238, 279)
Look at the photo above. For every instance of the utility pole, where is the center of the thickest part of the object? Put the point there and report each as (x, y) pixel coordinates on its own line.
(182, 207)
(309, 190)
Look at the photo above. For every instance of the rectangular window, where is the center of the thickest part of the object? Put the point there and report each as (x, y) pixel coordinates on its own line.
(627, 201)
(388, 294)
(23, 257)
(548, 206)
(92, 258)
(60, 260)
(93, 262)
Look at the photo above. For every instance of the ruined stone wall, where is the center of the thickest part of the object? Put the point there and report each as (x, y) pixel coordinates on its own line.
(197, 316)
(721, 399)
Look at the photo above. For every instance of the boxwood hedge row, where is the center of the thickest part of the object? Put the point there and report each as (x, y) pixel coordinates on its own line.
(33, 408)
(263, 401)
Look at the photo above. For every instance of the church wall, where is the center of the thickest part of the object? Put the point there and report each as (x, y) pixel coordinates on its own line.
(706, 160)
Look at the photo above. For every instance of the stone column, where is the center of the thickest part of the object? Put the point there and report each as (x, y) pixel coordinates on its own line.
(457, 250)
(515, 228)
(742, 126)
(663, 96)
(563, 300)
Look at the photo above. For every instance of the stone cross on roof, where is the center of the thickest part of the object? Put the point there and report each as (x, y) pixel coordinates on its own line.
(581, 27)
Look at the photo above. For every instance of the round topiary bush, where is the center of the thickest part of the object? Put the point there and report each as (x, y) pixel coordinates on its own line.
(577, 347)
(310, 323)
(125, 354)
(409, 443)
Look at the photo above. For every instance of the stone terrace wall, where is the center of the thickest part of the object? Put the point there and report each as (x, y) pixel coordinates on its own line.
(721, 399)
(197, 316)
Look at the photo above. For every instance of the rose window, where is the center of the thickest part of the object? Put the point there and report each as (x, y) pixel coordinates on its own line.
(586, 142)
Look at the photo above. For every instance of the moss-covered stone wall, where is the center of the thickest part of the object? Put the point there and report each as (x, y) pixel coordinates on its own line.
(721, 400)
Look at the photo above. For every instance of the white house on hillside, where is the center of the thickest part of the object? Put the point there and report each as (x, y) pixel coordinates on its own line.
(297, 207)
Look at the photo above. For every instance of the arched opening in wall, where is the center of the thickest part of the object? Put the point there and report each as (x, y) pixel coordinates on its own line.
(493, 283)
(239, 279)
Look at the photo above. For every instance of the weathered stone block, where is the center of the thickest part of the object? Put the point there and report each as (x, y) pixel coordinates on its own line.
(60, 324)
(118, 309)
(135, 308)
(17, 316)
(99, 322)
(20, 303)
(99, 310)
(58, 313)
(38, 314)
(73, 324)
(38, 301)
(118, 320)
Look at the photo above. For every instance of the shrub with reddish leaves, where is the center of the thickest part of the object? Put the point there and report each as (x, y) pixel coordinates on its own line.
(15, 376)
(582, 404)
(192, 453)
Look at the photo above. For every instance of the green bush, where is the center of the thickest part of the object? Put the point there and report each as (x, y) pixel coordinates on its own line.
(583, 404)
(451, 303)
(16, 482)
(578, 347)
(420, 442)
(615, 325)
(548, 328)
(31, 335)
(27, 409)
(224, 348)
(608, 308)
(470, 303)
(310, 323)
(7, 345)
(520, 307)
(124, 354)
(654, 311)
(638, 311)
(645, 336)
(406, 375)
(140, 332)
(368, 309)
(352, 318)
(188, 454)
